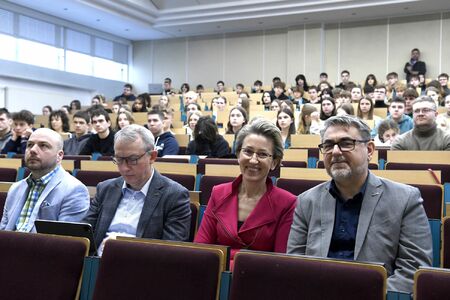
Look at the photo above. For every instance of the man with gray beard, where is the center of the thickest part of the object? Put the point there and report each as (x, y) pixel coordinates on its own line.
(359, 216)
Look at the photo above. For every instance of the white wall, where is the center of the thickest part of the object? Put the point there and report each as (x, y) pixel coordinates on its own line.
(378, 47)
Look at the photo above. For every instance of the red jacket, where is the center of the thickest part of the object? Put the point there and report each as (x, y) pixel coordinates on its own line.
(265, 229)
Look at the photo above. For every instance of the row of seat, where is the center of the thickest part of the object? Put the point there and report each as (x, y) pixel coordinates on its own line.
(142, 269)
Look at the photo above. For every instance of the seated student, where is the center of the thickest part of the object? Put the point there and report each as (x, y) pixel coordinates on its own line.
(327, 108)
(257, 87)
(356, 94)
(103, 141)
(345, 109)
(165, 142)
(313, 94)
(220, 87)
(379, 96)
(396, 113)
(5, 127)
(46, 110)
(142, 202)
(409, 95)
(286, 124)
(305, 120)
(207, 140)
(81, 122)
(297, 97)
(23, 127)
(278, 91)
(391, 81)
(236, 120)
(127, 93)
(124, 119)
(59, 122)
(250, 212)
(266, 100)
(49, 192)
(365, 110)
(184, 88)
(239, 88)
(387, 133)
(75, 105)
(139, 105)
(192, 120)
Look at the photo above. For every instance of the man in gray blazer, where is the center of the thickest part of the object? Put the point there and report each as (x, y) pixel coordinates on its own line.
(359, 216)
(49, 193)
(142, 202)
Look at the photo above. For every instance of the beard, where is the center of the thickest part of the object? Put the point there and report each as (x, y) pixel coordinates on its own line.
(343, 171)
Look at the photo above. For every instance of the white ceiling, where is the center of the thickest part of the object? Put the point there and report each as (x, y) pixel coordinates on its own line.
(157, 19)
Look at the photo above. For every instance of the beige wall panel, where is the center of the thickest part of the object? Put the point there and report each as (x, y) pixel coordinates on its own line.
(313, 65)
(363, 50)
(205, 61)
(331, 51)
(243, 58)
(275, 55)
(446, 44)
(414, 32)
(141, 72)
(295, 54)
(169, 60)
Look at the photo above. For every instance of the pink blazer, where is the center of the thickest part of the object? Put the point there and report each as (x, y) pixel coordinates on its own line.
(265, 229)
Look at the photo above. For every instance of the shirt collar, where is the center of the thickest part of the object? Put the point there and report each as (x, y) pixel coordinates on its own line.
(44, 179)
(143, 190)
(334, 191)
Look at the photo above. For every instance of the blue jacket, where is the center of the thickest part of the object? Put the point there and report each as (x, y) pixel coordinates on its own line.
(166, 144)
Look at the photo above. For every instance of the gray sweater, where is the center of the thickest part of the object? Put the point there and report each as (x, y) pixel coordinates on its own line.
(430, 139)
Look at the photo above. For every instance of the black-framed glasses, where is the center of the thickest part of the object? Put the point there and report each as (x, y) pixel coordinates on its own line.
(130, 160)
(345, 145)
(259, 155)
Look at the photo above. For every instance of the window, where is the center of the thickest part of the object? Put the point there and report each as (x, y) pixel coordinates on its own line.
(41, 55)
(78, 63)
(8, 48)
(108, 69)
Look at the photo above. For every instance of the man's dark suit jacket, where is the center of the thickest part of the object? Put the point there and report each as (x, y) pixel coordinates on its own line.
(165, 215)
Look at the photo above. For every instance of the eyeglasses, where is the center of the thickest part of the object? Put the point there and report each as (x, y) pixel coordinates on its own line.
(131, 160)
(345, 145)
(259, 155)
(423, 110)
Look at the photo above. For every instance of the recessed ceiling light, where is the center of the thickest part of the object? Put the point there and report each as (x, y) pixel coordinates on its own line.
(305, 18)
(179, 30)
(65, 8)
(218, 26)
(353, 14)
(260, 22)
(127, 29)
(405, 8)
(98, 20)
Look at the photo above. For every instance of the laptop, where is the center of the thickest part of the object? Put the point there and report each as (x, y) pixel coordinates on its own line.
(155, 88)
(68, 229)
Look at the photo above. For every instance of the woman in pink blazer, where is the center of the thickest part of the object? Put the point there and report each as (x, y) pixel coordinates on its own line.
(251, 213)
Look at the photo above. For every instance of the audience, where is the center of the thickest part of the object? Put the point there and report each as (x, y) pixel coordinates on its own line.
(124, 119)
(49, 192)
(207, 140)
(59, 122)
(387, 133)
(22, 128)
(327, 108)
(305, 120)
(165, 142)
(81, 124)
(251, 213)
(236, 120)
(127, 93)
(46, 110)
(142, 202)
(425, 134)
(286, 124)
(102, 141)
(5, 127)
(354, 217)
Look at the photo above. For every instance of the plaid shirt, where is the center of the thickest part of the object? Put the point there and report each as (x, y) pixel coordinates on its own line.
(36, 187)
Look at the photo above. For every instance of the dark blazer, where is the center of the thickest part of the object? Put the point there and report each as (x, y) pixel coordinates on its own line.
(165, 215)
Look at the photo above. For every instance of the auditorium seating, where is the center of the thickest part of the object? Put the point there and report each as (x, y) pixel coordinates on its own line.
(37, 266)
(143, 269)
(279, 276)
(8, 174)
(445, 262)
(431, 284)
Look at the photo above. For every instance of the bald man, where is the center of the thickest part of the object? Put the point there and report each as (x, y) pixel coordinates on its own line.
(49, 192)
